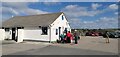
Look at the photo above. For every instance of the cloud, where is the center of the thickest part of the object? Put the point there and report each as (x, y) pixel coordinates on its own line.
(113, 6)
(109, 20)
(51, 3)
(49, 0)
(14, 11)
(75, 23)
(33, 11)
(17, 9)
(19, 0)
(95, 6)
(60, 0)
(103, 22)
(78, 11)
(75, 12)
(106, 22)
(116, 13)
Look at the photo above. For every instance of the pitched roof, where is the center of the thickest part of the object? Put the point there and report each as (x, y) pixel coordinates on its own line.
(33, 20)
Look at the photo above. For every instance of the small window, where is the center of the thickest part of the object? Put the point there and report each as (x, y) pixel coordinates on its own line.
(44, 30)
(7, 29)
(56, 31)
(62, 17)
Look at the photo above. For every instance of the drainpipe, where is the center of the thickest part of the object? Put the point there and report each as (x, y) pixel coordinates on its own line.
(50, 34)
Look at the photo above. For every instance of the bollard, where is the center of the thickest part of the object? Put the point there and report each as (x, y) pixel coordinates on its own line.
(80, 37)
(107, 39)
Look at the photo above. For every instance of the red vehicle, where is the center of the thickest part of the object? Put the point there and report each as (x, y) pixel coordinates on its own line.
(92, 34)
(95, 34)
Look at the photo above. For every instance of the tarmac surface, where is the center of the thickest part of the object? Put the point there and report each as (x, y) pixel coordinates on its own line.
(87, 46)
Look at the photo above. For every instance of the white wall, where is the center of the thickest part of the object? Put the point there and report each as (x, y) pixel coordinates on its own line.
(34, 33)
(7, 34)
(56, 24)
(61, 23)
(54, 37)
(2, 34)
(20, 35)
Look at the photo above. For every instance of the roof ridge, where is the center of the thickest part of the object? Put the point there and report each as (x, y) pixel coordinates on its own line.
(39, 14)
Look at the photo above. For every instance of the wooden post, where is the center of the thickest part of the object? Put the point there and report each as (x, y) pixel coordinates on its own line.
(80, 36)
(107, 39)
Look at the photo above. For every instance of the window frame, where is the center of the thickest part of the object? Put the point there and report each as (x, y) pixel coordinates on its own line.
(56, 32)
(43, 32)
(7, 29)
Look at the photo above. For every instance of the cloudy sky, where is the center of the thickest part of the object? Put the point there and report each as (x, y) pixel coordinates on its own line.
(79, 14)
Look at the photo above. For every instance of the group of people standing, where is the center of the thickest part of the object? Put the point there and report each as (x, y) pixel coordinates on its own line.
(69, 37)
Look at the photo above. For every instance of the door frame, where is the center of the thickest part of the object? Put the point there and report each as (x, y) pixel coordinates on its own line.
(14, 32)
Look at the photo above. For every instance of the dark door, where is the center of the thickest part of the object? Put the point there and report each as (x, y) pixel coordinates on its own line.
(13, 33)
(59, 32)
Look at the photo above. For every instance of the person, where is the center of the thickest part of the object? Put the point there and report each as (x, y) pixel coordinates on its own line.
(107, 39)
(62, 36)
(68, 37)
(76, 37)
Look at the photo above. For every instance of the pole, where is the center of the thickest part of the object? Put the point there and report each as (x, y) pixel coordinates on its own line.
(107, 39)
(80, 36)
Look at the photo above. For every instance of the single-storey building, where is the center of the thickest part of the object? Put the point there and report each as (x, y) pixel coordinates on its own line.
(43, 27)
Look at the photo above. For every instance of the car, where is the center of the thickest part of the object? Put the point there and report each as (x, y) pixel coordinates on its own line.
(88, 34)
(112, 35)
(92, 34)
(117, 34)
(100, 33)
(95, 34)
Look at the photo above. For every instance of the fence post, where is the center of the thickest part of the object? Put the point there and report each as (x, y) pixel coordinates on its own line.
(107, 39)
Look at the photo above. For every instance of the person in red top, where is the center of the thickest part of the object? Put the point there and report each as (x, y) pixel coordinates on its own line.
(69, 35)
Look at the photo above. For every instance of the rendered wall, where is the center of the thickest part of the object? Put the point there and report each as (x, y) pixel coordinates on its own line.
(59, 23)
(2, 34)
(34, 33)
(20, 35)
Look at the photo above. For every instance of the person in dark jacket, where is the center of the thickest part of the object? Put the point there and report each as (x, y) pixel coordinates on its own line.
(63, 36)
(76, 37)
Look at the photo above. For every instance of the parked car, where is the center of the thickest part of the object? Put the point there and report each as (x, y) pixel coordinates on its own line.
(88, 34)
(112, 35)
(116, 34)
(92, 34)
(100, 33)
(95, 34)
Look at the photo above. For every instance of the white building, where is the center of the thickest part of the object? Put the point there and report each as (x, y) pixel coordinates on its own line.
(43, 27)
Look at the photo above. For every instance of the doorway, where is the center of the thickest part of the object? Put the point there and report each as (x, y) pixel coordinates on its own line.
(14, 34)
(59, 32)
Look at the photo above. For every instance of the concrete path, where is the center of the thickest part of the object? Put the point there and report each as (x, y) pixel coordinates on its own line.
(87, 46)
(19, 47)
(55, 50)
(95, 44)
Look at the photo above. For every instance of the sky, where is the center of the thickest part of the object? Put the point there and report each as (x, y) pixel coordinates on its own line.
(91, 15)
